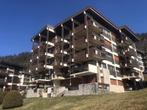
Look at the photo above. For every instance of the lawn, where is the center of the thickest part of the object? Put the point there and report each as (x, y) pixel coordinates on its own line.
(136, 100)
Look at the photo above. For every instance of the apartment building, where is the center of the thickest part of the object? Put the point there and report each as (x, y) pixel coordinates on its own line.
(145, 62)
(86, 52)
(141, 45)
(11, 76)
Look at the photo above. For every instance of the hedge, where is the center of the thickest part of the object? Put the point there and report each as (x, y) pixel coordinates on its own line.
(12, 99)
(2, 95)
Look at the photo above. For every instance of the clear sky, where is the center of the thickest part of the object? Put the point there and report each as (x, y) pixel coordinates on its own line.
(21, 19)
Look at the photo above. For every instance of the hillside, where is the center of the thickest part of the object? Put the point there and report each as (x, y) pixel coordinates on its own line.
(136, 100)
(142, 44)
(21, 59)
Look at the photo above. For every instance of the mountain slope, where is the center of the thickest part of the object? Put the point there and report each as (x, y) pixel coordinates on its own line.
(142, 44)
(21, 59)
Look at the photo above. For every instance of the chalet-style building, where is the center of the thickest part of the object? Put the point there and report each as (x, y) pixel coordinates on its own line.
(85, 54)
(11, 76)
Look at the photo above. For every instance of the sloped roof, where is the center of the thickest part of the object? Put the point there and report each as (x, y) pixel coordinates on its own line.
(129, 32)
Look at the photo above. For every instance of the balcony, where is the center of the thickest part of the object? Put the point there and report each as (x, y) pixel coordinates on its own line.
(114, 38)
(59, 41)
(145, 57)
(41, 45)
(131, 52)
(92, 28)
(112, 72)
(38, 68)
(81, 30)
(58, 52)
(80, 43)
(2, 81)
(38, 57)
(131, 73)
(59, 64)
(94, 54)
(39, 49)
(87, 69)
(3, 73)
(96, 40)
(107, 44)
(125, 42)
(128, 64)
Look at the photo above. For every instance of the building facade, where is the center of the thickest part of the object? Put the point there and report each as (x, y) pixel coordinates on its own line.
(86, 52)
(11, 76)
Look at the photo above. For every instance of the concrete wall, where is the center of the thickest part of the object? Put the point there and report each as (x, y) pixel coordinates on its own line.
(116, 88)
(86, 89)
(38, 93)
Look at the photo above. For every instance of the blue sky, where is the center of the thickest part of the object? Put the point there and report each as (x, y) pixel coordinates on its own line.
(21, 19)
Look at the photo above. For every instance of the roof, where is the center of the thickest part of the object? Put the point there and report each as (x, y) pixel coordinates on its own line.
(130, 33)
(88, 10)
(99, 17)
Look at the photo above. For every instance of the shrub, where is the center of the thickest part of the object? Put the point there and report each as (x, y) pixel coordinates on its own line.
(2, 95)
(12, 99)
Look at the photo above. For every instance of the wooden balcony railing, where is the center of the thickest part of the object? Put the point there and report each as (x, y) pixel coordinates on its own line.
(131, 52)
(94, 54)
(41, 45)
(112, 72)
(80, 68)
(58, 41)
(98, 41)
(107, 44)
(80, 56)
(39, 66)
(129, 65)
(80, 43)
(92, 28)
(3, 73)
(58, 64)
(2, 81)
(125, 42)
(81, 30)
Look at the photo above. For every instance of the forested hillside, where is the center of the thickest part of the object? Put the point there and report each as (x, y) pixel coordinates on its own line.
(21, 59)
(142, 44)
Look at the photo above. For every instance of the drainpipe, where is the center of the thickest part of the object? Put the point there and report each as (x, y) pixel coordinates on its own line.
(98, 73)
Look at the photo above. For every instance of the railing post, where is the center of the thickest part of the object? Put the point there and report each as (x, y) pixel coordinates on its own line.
(87, 34)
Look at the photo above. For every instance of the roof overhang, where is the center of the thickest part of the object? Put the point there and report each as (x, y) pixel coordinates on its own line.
(126, 30)
(95, 14)
(83, 73)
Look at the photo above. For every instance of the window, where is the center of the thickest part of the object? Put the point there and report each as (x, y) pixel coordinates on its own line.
(92, 62)
(111, 70)
(104, 65)
(114, 48)
(118, 71)
(96, 36)
(106, 33)
(109, 57)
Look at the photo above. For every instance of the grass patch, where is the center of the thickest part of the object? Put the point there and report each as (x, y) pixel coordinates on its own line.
(136, 100)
